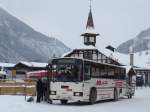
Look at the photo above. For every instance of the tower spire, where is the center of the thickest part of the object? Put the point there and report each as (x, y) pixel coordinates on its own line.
(90, 4)
(90, 23)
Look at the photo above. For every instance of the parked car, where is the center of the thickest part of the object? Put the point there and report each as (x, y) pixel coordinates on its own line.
(139, 80)
(3, 73)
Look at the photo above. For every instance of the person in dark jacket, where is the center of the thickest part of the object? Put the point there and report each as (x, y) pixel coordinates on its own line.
(39, 89)
(44, 90)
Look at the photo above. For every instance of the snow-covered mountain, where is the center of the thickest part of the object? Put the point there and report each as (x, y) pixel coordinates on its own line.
(19, 42)
(141, 59)
(140, 43)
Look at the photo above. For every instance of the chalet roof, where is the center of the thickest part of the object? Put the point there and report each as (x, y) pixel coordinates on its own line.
(6, 64)
(32, 64)
(145, 69)
(129, 68)
(84, 47)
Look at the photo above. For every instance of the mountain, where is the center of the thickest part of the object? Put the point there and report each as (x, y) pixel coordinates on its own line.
(20, 42)
(140, 43)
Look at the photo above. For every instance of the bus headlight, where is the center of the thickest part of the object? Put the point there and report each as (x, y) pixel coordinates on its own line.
(52, 92)
(78, 93)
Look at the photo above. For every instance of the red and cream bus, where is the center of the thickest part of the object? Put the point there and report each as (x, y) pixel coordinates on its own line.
(87, 81)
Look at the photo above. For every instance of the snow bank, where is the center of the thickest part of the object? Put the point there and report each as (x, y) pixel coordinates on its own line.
(139, 103)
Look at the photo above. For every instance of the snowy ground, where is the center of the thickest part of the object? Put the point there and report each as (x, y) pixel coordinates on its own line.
(140, 103)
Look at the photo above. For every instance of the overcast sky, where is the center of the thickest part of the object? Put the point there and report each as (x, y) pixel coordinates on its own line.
(115, 20)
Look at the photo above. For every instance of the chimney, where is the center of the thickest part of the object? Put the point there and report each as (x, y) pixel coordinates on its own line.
(131, 53)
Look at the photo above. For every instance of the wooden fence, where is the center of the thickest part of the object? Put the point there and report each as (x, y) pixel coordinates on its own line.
(17, 87)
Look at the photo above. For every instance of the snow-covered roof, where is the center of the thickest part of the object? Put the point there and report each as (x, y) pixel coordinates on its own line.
(122, 58)
(142, 68)
(86, 47)
(140, 59)
(6, 65)
(89, 47)
(67, 53)
(33, 64)
(90, 30)
(128, 68)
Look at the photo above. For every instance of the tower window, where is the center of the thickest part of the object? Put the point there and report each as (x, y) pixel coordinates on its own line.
(92, 39)
(85, 39)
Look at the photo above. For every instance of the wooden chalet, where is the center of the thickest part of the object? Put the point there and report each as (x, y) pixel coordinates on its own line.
(92, 54)
(22, 68)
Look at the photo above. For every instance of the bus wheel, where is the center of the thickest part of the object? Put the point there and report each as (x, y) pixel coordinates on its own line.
(93, 96)
(115, 94)
(63, 102)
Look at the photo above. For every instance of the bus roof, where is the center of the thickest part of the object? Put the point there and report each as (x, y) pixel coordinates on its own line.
(91, 61)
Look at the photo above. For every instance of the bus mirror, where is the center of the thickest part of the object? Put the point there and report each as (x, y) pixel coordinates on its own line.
(50, 61)
(49, 67)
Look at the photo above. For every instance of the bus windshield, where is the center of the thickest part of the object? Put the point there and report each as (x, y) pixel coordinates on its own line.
(67, 70)
(66, 73)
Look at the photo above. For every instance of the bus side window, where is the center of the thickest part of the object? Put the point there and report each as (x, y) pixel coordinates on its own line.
(103, 73)
(87, 73)
(116, 73)
(119, 73)
(111, 73)
(95, 72)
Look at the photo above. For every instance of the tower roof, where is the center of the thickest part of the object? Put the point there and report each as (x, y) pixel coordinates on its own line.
(90, 28)
(90, 23)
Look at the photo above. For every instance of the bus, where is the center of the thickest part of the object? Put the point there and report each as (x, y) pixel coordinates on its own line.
(82, 80)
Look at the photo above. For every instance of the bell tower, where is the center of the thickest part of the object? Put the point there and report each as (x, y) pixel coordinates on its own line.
(90, 34)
